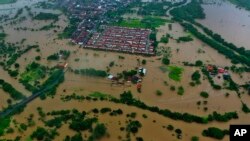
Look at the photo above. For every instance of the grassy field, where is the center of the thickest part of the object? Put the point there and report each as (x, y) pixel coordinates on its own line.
(33, 73)
(4, 123)
(175, 72)
(7, 1)
(146, 22)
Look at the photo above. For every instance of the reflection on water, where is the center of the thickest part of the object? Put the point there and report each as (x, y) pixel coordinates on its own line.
(229, 21)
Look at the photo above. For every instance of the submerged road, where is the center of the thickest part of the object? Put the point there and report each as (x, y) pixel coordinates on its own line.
(27, 100)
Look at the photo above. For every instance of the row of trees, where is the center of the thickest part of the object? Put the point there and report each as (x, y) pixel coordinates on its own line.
(11, 90)
(188, 12)
(230, 54)
(218, 38)
(46, 16)
(127, 98)
(91, 72)
(210, 80)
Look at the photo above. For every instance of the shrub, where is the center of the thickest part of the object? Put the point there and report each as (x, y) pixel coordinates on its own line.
(204, 94)
(180, 90)
(158, 92)
(215, 133)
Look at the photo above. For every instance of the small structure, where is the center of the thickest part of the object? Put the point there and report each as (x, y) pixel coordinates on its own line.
(135, 79)
(138, 86)
(226, 76)
(221, 70)
(62, 65)
(110, 76)
(142, 71)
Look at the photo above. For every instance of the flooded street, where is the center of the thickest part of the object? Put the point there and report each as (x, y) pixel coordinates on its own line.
(230, 22)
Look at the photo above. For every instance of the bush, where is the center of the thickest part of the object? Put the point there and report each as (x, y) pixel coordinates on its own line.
(180, 90)
(158, 92)
(198, 63)
(195, 138)
(164, 39)
(196, 76)
(215, 133)
(165, 61)
(185, 39)
(204, 94)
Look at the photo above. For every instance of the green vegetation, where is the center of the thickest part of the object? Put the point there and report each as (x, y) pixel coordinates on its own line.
(70, 29)
(11, 90)
(215, 133)
(34, 72)
(7, 1)
(56, 56)
(185, 39)
(195, 138)
(204, 94)
(144, 62)
(15, 56)
(180, 90)
(245, 108)
(189, 12)
(216, 37)
(230, 54)
(156, 9)
(133, 126)
(241, 3)
(30, 78)
(164, 39)
(99, 131)
(127, 98)
(2, 36)
(210, 79)
(158, 92)
(46, 16)
(147, 22)
(196, 77)
(4, 124)
(43, 134)
(99, 95)
(91, 72)
(165, 60)
(175, 73)
(48, 27)
(50, 85)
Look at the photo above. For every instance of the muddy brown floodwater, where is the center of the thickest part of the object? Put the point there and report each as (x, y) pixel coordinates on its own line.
(153, 81)
(229, 21)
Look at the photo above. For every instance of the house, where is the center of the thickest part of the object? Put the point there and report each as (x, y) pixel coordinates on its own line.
(142, 71)
(221, 70)
(210, 68)
(62, 65)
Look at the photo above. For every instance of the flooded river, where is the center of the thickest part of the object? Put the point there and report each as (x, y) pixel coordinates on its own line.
(229, 21)
(10, 8)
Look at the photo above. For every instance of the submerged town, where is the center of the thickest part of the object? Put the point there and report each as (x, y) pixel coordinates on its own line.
(123, 70)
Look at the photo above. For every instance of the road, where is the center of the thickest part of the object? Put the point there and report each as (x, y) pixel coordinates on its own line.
(31, 98)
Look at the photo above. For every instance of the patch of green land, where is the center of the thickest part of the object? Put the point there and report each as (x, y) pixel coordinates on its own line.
(33, 72)
(146, 22)
(175, 72)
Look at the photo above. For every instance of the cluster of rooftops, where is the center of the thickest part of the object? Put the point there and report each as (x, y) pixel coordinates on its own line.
(122, 39)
